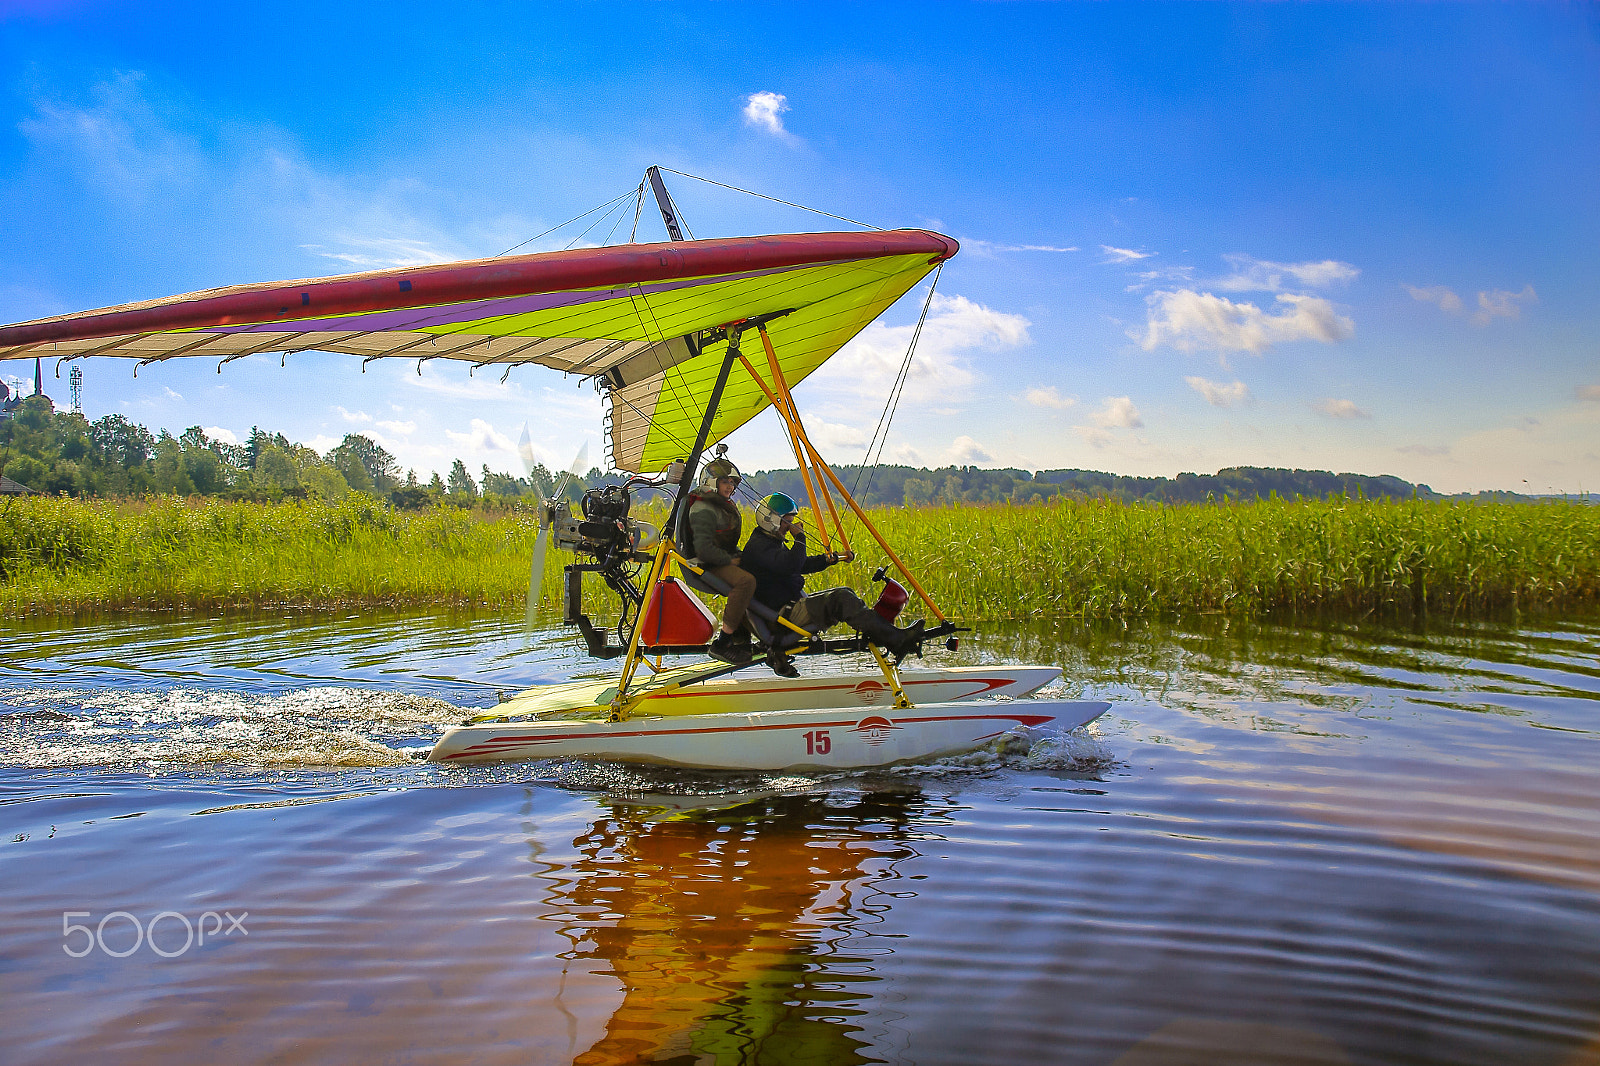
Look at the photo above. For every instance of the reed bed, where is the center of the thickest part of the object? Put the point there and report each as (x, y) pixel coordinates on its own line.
(1091, 560)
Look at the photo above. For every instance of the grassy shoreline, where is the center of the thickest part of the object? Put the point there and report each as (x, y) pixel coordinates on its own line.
(1089, 560)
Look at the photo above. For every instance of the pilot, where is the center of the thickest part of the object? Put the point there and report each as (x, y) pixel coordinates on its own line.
(714, 528)
(780, 568)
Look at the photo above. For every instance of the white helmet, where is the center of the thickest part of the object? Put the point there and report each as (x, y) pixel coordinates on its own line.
(716, 470)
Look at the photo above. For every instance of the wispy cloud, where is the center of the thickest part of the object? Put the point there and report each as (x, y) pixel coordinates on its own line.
(1219, 395)
(1123, 255)
(1342, 409)
(988, 249)
(1259, 275)
(1492, 303)
(1428, 450)
(398, 429)
(1502, 304)
(383, 252)
(1589, 393)
(1194, 321)
(764, 110)
(1048, 396)
(358, 417)
(1440, 296)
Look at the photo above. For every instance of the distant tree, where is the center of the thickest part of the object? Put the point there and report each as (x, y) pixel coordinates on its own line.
(461, 483)
(275, 471)
(121, 442)
(379, 467)
(322, 480)
(436, 483)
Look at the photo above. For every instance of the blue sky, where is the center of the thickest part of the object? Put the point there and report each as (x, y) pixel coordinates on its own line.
(1343, 237)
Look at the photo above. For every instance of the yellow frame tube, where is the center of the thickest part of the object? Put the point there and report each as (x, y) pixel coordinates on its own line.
(791, 415)
(799, 453)
(631, 663)
(901, 700)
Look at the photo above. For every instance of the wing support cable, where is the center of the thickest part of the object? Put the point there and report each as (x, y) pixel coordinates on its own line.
(880, 435)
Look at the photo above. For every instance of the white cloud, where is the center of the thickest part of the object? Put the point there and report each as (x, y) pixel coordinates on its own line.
(1591, 393)
(353, 416)
(483, 437)
(217, 433)
(907, 455)
(399, 429)
(1502, 304)
(764, 110)
(1117, 412)
(831, 435)
(1440, 296)
(869, 364)
(1340, 409)
(1048, 396)
(1250, 274)
(1123, 255)
(170, 394)
(322, 443)
(1219, 395)
(1191, 321)
(964, 451)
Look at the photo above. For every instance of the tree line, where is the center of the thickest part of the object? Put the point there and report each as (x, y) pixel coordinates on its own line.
(64, 453)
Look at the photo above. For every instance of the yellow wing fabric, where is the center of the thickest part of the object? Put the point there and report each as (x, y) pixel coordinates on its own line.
(617, 313)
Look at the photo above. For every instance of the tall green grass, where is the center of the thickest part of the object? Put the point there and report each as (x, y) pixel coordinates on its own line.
(1065, 559)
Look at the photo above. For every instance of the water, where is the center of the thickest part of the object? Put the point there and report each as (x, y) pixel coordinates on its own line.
(1328, 843)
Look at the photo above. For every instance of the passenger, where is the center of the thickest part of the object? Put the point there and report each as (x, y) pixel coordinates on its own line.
(780, 568)
(715, 526)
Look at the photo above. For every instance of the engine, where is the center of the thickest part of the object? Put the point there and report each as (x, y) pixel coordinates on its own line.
(602, 528)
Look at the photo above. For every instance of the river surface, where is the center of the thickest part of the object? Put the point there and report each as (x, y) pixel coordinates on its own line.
(1319, 843)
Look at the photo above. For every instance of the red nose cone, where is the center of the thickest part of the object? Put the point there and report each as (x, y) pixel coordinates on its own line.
(891, 601)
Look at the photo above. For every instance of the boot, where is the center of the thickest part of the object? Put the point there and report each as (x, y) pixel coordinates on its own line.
(731, 648)
(897, 642)
(781, 664)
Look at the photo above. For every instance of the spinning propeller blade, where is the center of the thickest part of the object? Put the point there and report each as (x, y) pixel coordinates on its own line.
(547, 505)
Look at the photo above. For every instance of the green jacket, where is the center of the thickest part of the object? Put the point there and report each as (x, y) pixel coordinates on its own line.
(714, 525)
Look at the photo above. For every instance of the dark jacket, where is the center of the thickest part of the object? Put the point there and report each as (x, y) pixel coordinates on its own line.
(779, 568)
(714, 524)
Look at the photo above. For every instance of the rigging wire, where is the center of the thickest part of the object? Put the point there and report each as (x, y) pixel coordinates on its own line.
(774, 199)
(638, 208)
(614, 205)
(568, 222)
(880, 435)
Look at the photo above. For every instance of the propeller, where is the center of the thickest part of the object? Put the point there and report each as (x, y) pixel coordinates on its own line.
(547, 508)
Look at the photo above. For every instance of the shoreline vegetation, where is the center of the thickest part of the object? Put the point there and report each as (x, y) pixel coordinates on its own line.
(1093, 559)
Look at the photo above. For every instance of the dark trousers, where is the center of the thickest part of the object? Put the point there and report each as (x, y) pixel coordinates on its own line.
(817, 611)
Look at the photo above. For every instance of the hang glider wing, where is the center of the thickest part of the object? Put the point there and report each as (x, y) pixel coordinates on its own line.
(617, 313)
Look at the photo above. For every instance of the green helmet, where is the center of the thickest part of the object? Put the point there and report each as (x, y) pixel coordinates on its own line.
(771, 511)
